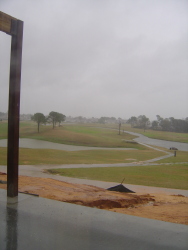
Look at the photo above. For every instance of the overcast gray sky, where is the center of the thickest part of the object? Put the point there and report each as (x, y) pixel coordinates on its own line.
(118, 58)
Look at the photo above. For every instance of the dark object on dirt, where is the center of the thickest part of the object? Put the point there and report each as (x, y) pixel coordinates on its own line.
(173, 148)
(120, 188)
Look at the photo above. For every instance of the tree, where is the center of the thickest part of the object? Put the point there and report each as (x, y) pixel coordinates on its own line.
(60, 118)
(171, 124)
(39, 118)
(52, 117)
(80, 119)
(165, 124)
(159, 118)
(178, 125)
(119, 121)
(55, 117)
(154, 125)
(132, 121)
(102, 120)
(143, 122)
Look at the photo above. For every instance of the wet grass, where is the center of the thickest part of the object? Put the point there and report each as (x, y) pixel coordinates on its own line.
(76, 135)
(50, 156)
(160, 135)
(3, 130)
(167, 176)
(89, 134)
(168, 136)
(181, 156)
(163, 135)
(85, 135)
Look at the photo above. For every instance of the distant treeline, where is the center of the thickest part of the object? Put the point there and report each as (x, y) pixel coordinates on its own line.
(3, 116)
(23, 117)
(163, 124)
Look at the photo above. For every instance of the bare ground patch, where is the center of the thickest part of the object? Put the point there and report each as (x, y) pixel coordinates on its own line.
(171, 208)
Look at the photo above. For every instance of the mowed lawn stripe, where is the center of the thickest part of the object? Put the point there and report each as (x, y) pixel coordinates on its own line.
(50, 156)
(167, 176)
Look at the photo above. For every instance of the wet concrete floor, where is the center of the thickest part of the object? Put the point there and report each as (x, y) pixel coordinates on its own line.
(39, 223)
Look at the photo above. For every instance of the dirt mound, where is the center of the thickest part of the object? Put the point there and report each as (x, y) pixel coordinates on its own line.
(119, 203)
(114, 202)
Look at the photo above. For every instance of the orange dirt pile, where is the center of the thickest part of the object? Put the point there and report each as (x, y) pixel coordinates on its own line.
(171, 208)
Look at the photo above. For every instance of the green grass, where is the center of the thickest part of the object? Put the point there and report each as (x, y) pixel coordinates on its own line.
(89, 134)
(78, 135)
(167, 176)
(181, 156)
(3, 130)
(50, 156)
(160, 135)
(170, 176)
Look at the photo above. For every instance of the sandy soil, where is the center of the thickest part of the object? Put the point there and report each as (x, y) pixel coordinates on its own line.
(171, 208)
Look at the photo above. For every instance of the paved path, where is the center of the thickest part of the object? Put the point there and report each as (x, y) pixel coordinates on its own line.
(38, 171)
(32, 143)
(160, 143)
(158, 158)
(155, 142)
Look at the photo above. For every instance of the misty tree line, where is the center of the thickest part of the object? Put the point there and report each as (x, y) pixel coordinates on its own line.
(105, 119)
(53, 117)
(163, 124)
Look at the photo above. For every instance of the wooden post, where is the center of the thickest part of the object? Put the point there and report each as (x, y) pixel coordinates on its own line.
(13, 27)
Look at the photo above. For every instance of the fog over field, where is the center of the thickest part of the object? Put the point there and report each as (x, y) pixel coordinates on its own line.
(118, 58)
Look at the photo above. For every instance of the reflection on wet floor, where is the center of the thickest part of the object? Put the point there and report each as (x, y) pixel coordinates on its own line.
(38, 223)
(11, 227)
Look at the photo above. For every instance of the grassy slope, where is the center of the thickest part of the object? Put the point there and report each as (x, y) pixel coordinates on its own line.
(181, 156)
(161, 135)
(173, 176)
(79, 135)
(49, 156)
(167, 176)
(76, 134)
